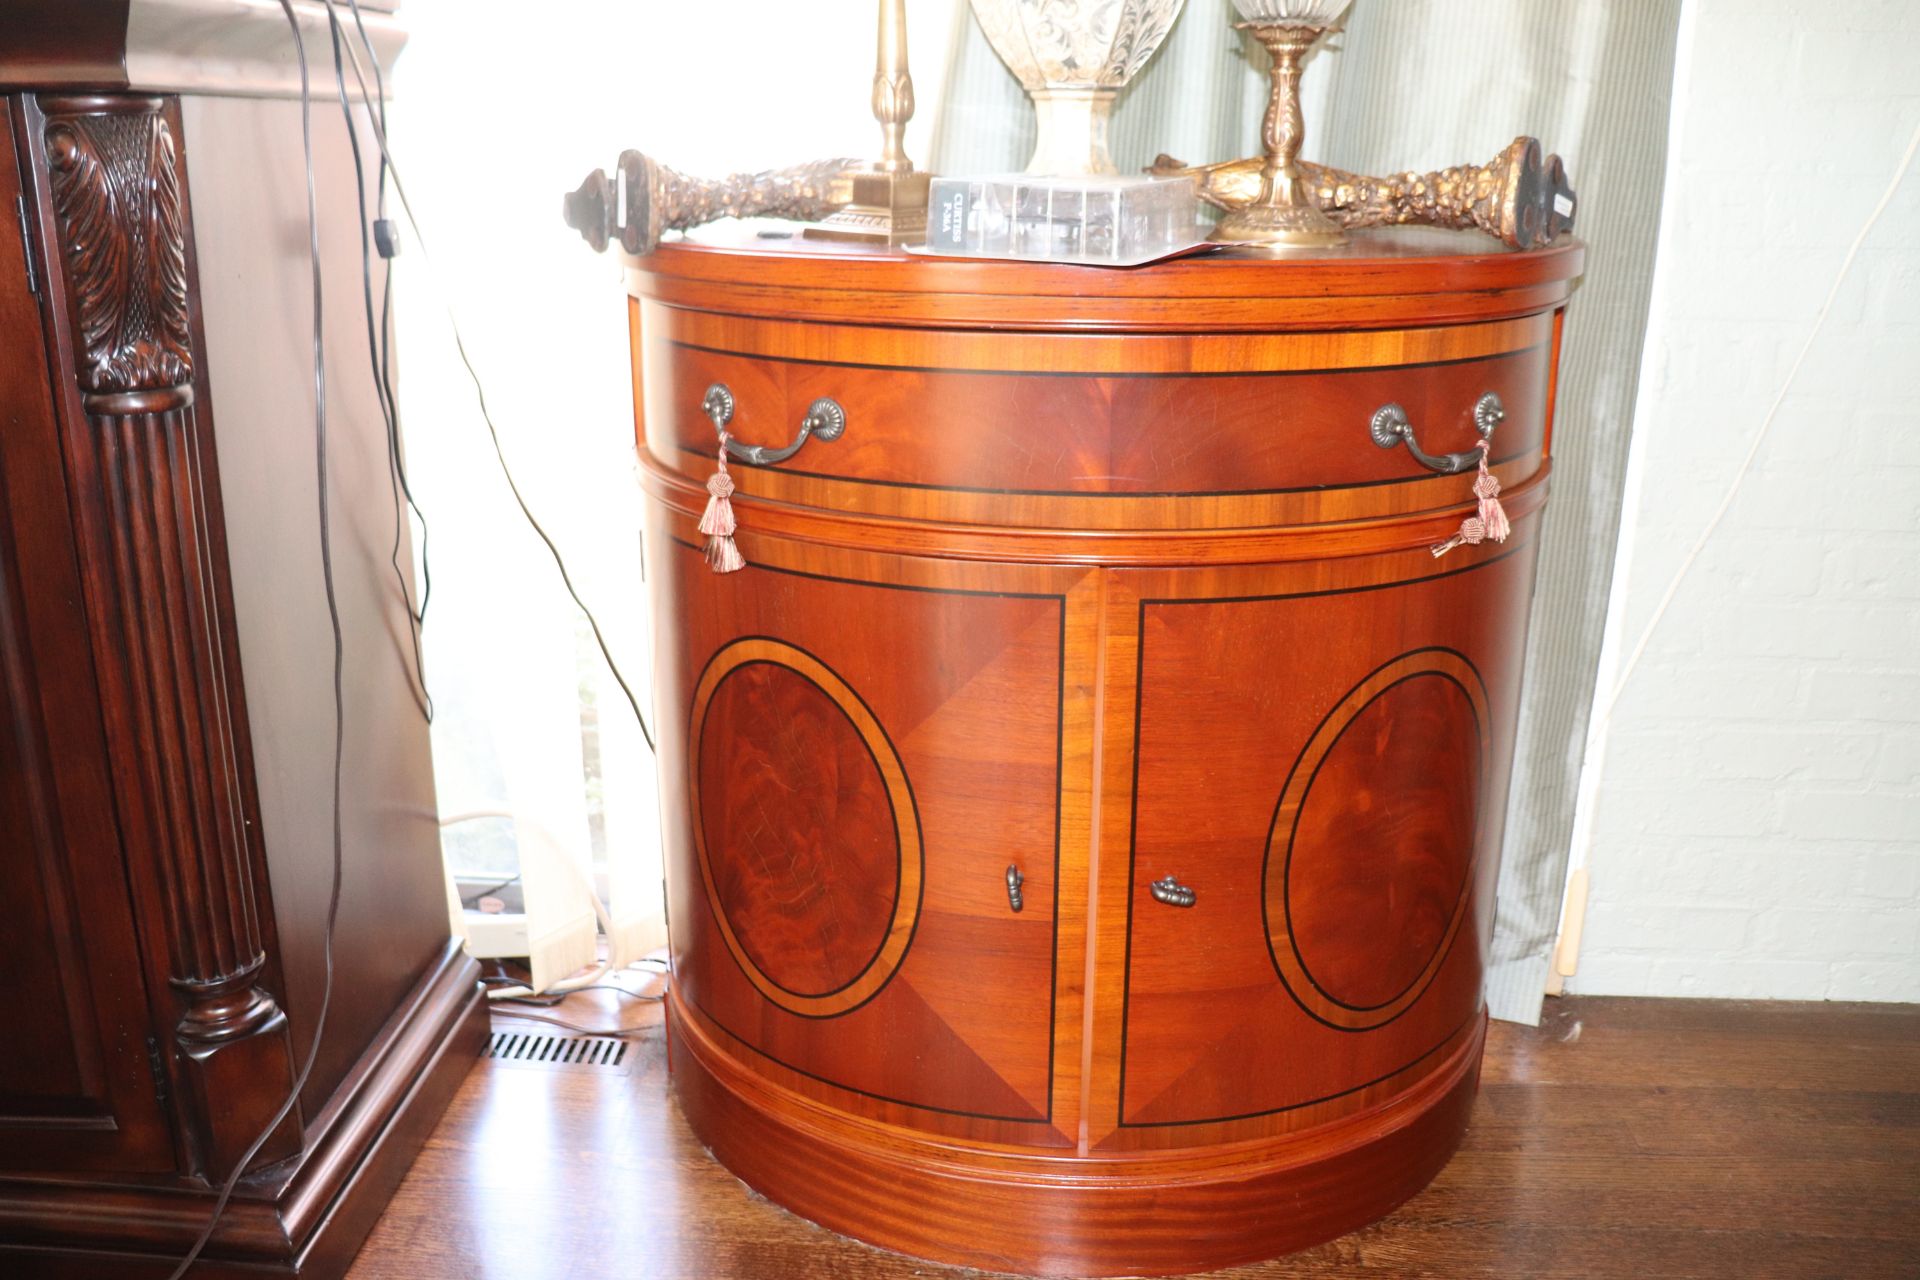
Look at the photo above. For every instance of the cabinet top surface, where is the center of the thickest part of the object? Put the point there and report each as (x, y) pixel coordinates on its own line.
(1391, 276)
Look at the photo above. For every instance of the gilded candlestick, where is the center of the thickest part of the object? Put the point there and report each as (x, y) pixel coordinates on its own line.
(889, 203)
(1283, 213)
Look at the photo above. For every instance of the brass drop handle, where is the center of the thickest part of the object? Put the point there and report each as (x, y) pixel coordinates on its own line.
(1014, 881)
(825, 420)
(1391, 426)
(1170, 891)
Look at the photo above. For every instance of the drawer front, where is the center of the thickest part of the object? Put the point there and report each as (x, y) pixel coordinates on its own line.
(854, 766)
(1324, 772)
(1098, 432)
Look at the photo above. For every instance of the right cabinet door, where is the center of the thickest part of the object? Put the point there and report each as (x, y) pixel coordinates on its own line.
(1320, 761)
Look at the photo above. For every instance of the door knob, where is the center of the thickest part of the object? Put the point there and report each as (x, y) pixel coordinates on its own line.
(1170, 891)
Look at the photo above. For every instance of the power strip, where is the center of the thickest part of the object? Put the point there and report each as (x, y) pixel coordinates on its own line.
(496, 935)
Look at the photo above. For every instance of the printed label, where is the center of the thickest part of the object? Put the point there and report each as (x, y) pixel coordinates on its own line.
(1562, 206)
(949, 225)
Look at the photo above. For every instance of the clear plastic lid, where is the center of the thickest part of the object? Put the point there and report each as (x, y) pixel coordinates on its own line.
(1108, 221)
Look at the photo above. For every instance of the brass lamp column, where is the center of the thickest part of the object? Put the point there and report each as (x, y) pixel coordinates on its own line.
(889, 204)
(1284, 214)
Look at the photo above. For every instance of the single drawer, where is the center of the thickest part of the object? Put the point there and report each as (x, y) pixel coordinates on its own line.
(1130, 431)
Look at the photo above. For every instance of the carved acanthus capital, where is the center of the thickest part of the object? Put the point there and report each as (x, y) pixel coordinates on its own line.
(116, 195)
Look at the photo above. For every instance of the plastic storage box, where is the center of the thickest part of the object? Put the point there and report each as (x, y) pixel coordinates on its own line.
(1111, 221)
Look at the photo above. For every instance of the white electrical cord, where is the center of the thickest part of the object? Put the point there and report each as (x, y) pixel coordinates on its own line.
(1766, 424)
(559, 850)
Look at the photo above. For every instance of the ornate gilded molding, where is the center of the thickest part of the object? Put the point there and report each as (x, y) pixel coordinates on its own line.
(1519, 197)
(116, 193)
(659, 199)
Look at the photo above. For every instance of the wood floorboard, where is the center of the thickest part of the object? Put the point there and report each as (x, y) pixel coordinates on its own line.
(1622, 1138)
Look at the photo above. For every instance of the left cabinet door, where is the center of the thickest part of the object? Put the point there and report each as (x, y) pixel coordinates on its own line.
(857, 750)
(76, 1077)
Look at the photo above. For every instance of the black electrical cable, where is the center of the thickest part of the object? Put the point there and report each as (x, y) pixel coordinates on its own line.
(388, 248)
(339, 666)
(480, 394)
(389, 417)
(558, 997)
(610, 1033)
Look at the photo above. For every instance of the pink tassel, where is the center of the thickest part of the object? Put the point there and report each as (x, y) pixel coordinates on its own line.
(717, 521)
(1492, 514)
(723, 556)
(1489, 521)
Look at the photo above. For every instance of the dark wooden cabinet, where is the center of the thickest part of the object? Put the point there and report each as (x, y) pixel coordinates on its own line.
(1109, 584)
(77, 1079)
(160, 910)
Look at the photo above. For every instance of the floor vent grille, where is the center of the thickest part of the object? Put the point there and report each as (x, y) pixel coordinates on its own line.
(555, 1053)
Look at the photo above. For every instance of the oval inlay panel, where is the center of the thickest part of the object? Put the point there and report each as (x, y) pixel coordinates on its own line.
(1374, 839)
(805, 826)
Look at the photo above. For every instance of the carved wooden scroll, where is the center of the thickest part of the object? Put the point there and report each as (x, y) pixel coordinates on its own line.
(154, 608)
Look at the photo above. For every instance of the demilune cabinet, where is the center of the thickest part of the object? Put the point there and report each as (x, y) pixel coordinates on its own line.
(1084, 808)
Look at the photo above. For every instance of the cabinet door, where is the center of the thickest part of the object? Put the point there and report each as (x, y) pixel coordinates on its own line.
(854, 760)
(76, 1083)
(1324, 768)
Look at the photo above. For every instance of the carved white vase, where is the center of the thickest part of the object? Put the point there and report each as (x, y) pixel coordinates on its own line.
(1073, 57)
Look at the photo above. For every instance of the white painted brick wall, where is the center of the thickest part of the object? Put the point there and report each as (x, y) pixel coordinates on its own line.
(1757, 826)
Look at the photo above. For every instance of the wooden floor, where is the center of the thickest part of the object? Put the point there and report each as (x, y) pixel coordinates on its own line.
(1631, 1138)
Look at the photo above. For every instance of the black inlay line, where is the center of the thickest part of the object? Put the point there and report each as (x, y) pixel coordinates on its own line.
(1510, 353)
(889, 586)
(1446, 1040)
(693, 764)
(899, 845)
(1514, 550)
(864, 1093)
(1439, 959)
(1059, 806)
(1133, 848)
(1060, 601)
(1139, 700)
(1107, 496)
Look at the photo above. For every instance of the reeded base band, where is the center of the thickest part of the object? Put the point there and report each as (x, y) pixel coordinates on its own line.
(1146, 1213)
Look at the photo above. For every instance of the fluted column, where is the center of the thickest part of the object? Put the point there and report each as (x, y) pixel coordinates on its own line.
(135, 473)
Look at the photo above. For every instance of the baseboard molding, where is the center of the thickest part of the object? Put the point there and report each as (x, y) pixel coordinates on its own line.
(305, 1217)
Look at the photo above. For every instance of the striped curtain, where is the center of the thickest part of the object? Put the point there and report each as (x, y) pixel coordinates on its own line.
(1419, 84)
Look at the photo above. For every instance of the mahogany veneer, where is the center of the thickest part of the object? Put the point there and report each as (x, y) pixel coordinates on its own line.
(1106, 584)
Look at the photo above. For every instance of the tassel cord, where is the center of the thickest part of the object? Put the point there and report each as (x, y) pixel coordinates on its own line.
(717, 522)
(1489, 521)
